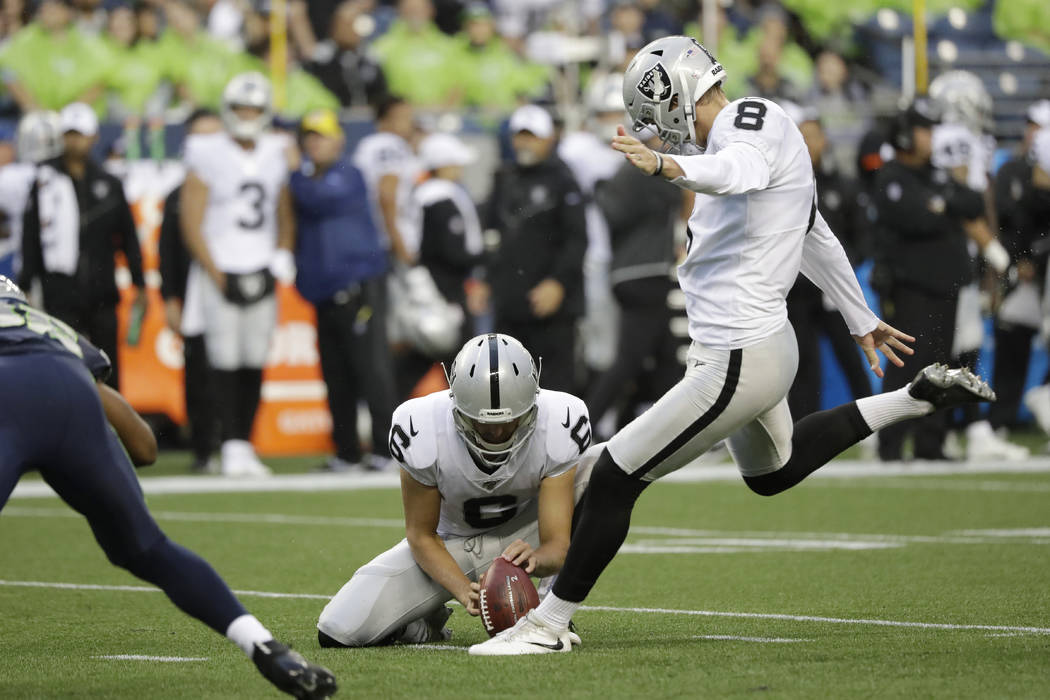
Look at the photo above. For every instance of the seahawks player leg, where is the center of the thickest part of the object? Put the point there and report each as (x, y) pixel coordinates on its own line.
(60, 419)
(753, 228)
(491, 468)
(237, 220)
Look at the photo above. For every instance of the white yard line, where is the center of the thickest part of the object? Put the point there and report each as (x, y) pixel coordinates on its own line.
(142, 657)
(697, 473)
(938, 485)
(760, 640)
(671, 540)
(600, 608)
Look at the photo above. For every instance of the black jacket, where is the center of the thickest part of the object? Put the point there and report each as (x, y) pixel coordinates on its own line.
(919, 240)
(538, 211)
(443, 249)
(174, 258)
(106, 226)
(1024, 215)
(640, 211)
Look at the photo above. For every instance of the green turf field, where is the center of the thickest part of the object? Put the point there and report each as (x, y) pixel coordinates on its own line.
(877, 586)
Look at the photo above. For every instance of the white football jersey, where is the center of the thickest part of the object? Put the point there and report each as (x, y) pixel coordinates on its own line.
(745, 250)
(240, 220)
(955, 145)
(384, 153)
(16, 179)
(424, 440)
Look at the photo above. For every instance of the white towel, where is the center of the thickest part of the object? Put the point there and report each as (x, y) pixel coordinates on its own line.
(59, 221)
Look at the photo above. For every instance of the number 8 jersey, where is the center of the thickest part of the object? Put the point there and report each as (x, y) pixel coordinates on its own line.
(424, 440)
(240, 220)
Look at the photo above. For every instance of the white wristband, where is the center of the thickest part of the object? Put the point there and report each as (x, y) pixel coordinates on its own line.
(996, 256)
(282, 266)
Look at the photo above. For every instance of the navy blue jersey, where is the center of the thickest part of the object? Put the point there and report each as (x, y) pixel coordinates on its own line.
(25, 330)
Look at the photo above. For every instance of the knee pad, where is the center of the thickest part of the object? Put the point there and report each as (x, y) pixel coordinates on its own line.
(140, 562)
(767, 484)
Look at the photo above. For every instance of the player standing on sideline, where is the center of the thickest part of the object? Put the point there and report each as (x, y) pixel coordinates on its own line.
(491, 468)
(755, 224)
(53, 378)
(238, 223)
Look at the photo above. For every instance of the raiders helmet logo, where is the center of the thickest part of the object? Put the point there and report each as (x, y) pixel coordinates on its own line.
(656, 84)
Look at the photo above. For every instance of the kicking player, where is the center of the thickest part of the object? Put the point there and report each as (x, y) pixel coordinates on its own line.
(238, 223)
(56, 419)
(754, 226)
(491, 468)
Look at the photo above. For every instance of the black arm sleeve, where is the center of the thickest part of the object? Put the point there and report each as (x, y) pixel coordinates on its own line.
(32, 252)
(964, 203)
(169, 249)
(129, 237)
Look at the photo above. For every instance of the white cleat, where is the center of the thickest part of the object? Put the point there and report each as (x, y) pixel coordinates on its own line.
(529, 636)
(239, 460)
(1037, 400)
(983, 444)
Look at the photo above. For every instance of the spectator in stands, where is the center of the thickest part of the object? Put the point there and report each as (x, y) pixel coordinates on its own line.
(342, 271)
(641, 214)
(494, 76)
(391, 169)
(417, 57)
(842, 104)
(51, 63)
(536, 272)
(174, 262)
(922, 262)
(303, 91)
(81, 211)
(90, 17)
(199, 65)
(138, 68)
(767, 81)
(658, 21)
(839, 200)
(1027, 21)
(343, 65)
(517, 19)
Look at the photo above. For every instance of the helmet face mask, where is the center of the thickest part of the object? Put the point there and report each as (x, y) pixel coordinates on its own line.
(247, 90)
(494, 384)
(963, 99)
(662, 85)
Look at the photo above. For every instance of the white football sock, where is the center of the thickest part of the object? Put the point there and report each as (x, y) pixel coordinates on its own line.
(881, 410)
(555, 612)
(245, 631)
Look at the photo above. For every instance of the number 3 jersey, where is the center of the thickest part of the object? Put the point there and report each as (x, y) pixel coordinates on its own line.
(425, 442)
(240, 219)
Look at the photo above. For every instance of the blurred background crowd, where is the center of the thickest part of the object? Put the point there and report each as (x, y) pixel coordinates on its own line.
(473, 138)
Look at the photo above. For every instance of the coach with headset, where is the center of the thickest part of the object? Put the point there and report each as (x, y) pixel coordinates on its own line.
(921, 262)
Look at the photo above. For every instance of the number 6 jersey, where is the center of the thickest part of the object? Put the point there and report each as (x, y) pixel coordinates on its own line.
(240, 220)
(425, 442)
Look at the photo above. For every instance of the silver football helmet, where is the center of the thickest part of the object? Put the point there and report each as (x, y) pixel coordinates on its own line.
(494, 384)
(963, 99)
(247, 90)
(10, 290)
(39, 136)
(663, 83)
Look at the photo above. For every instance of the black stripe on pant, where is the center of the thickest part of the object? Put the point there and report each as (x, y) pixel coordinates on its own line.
(709, 416)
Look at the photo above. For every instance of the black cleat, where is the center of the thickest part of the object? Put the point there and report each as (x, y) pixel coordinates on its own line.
(291, 673)
(946, 388)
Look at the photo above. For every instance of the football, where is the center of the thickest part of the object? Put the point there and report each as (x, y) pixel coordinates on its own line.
(507, 594)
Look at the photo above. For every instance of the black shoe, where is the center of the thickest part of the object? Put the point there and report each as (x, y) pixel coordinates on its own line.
(291, 673)
(945, 388)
